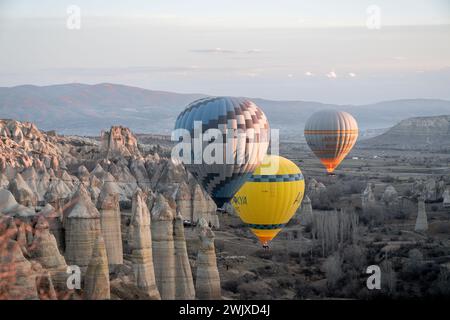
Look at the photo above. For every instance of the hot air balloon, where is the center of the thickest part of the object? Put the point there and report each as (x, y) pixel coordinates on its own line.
(270, 197)
(331, 135)
(230, 158)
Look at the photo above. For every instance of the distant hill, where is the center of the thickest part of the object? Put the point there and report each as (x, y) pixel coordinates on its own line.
(420, 133)
(86, 109)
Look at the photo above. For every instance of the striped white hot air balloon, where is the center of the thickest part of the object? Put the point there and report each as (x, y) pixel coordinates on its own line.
(331, 134)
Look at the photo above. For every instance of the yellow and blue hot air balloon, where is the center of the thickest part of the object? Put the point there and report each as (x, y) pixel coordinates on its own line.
(270, 197)
(245, 139)
(331, 134)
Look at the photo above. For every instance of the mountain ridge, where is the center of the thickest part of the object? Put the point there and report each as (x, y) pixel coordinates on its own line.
(84, 109)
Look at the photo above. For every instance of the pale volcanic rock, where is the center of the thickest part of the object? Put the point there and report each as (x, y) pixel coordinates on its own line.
(8, 228)
(368, 196)
(44, 247)
(68, 179)
(184, 283)
(199, 204)
(305, 215)
(138, 170)
(43, 182)
(57, 197)
(4, 182)
(94, 187)
(421, 220)
(119, 142)
(22, 192)
(9, 205)
(419, 133)
(98, 171)
(108, 206)
(83, 174)
(203, 207)
(140, 241)
(163, 247)
(54, 219)
(125, 180)
(96, 283)
(207, 284)
(446, 196)
(18, 281)
(29, 175)
(21, 144)
(82, 224)
(171, 175)
(212, 216)
(184, 201)
(57, 193)
(44, 285)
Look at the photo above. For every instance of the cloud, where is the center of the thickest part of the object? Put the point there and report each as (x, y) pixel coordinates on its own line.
(331, 75)
(215, 51)
(352, 75)
(309, 74)
(227, 51)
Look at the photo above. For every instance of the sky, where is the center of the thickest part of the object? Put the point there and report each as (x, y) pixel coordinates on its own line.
(346, 52)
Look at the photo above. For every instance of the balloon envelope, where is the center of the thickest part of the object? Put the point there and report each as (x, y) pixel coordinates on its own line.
(271, 196)
(331, 135)
(235, 154)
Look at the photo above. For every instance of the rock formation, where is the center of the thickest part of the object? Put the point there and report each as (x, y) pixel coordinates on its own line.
(22, 192)
(140, 241)
(368, 197)
(199, 204)
(163, 247)
(446, 196)
(96, 283)
(184, 201)
(207, 284)
(421, 133)
(18, 281)
(184, 284)
(57, 193)
(305, 214)
(54, 219)
(108, 206)
(21, 145)
(138, 170)
(44, 249)
(82, 224)
(9, 206)
(83, 174)
(421, 221)
(44, 283)
(29, 175)
(119, 142)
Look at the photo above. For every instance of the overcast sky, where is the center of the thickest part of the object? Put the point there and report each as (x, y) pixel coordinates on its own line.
(285, 49)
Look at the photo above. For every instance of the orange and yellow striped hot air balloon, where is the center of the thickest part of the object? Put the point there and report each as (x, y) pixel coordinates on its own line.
(331, 134)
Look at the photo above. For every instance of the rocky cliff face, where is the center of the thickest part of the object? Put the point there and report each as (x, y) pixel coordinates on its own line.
(119, 142)
(422, 133)
(67, 201)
